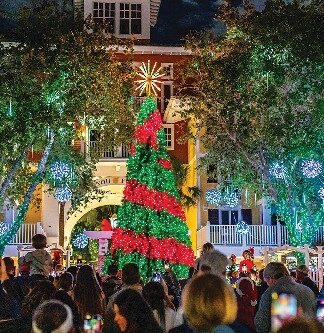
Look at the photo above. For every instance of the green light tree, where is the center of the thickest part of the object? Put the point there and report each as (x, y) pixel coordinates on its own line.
(258, 94)
(69, 78)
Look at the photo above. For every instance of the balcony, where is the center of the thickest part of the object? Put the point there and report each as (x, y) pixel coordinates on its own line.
(104, 153)
(25, 233)
(226, 239)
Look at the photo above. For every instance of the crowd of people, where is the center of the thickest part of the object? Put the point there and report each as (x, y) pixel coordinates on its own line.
(77, 300)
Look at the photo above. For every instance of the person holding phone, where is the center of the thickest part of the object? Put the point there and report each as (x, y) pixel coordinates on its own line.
(277, 277)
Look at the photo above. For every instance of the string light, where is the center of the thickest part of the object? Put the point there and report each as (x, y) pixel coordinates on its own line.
(231, 199)
(60, 170)
(321, 193)
(80, 241)
(311, 168)
(214, 196)
(63, 194)
(3, 229)
(278, 170)
(242, 228)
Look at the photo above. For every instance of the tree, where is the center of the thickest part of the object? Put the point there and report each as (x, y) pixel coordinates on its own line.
(151, 228)
(52, 89)
(258, 95)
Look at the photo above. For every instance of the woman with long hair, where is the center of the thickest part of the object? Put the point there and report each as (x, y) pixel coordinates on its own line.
(155, 296)
(87, 293)
(133, 314)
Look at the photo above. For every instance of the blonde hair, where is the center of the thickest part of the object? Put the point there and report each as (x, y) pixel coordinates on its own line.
(208, 301)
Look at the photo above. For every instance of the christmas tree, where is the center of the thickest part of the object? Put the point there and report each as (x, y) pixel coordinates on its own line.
(151, 228)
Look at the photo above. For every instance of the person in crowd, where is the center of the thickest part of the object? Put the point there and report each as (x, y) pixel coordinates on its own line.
(63, 294)
(15, 288)
(112, 283)
(261, 288)
(130, 280)
(247, 263)
(132, 314)
(73, 270)
(277, 277)
(217, 261)
(302, 325)
(293, 274)
(42, 290)
(24, 278)
(39, 259)
(9, 301)
(303, 278)
(209, 304)
(207, 247)
(65, 282)
(203, 269)
(246, 295)
(52, 316)
(173, 285)
(87, 293)
(156, 297)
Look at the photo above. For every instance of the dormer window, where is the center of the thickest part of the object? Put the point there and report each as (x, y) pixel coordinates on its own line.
(104, 12)
(130, 18)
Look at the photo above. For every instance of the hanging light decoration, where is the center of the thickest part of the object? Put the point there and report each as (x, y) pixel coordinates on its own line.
(214, 196)
(80, 241)
(149, 78)
(231, 199)
(3, 229)
(242, 228)
(63, 194)
(311, 168)
(321, 193)
(60, 170)
(278, 170)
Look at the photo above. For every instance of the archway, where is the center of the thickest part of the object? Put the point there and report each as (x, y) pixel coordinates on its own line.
(113, 196)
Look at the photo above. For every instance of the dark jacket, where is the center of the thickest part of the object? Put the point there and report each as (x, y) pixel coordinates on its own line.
(308, 282)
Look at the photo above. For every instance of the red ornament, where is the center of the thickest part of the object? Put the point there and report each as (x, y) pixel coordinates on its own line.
(132, 150)
(165, 163)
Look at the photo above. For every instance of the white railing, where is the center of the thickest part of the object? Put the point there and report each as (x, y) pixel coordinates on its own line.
(104, 152)
(26, 232)
(258, 235)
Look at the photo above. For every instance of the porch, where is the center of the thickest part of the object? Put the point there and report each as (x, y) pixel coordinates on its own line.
(226, 239)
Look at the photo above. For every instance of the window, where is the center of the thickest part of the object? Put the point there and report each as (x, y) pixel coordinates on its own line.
(167, 70)
(247, 215)
(229, 217)
(130, 18)
(169, 136)
(166, 94)
(104, 12)
(213, 216)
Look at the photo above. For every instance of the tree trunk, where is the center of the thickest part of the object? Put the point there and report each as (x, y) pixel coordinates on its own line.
(61, 224)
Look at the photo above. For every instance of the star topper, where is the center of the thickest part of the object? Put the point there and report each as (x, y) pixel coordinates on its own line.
(149, 79)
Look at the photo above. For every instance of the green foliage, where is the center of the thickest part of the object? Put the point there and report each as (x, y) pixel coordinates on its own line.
(258, 94)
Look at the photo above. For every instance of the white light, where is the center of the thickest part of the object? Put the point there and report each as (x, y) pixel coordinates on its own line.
(3, 229)
(321, 193)
(214, 196)
(311, 168)
(63, 194)
(231, 199)
(80, 241)
(242, 228)
(60, 170)
(278, 170)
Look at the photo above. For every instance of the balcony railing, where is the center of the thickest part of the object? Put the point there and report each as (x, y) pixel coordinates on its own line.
(258, 235)
(26, 232)
(103, 152)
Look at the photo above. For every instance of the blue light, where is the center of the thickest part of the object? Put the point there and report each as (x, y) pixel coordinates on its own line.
(63, 194)
(214, 196)
(278, 170)
(242, 228)
(60, 170)
(311, 168)
(80, 241)
(231, 199)
(3, 229)
(321, 193)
